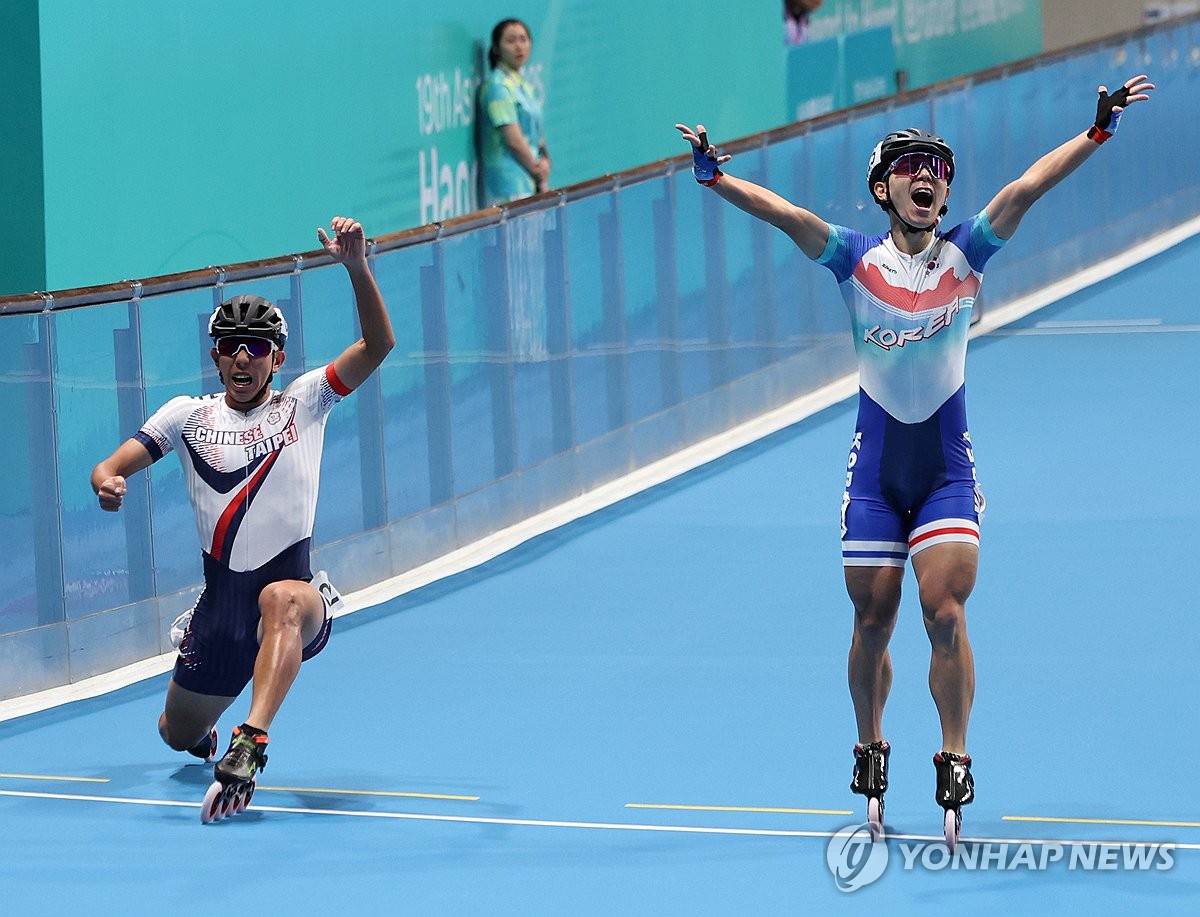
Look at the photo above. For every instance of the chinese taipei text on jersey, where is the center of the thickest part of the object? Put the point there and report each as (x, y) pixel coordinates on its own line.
(910, 478)
(252, 479)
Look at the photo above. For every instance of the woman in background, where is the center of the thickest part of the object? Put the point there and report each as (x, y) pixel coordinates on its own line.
(513, 149)
(796, 14)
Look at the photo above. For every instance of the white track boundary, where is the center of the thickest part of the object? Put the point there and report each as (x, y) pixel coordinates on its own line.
(642, 479)
(583, 825)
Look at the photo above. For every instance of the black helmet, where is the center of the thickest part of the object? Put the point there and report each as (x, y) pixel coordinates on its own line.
(249, 315)
(896, 144)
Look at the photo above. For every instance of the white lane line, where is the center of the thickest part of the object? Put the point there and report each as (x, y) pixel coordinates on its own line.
(1083, 329)
(603, 826)
(413, 816)
(1099, 323)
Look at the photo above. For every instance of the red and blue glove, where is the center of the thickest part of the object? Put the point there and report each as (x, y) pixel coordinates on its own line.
(704, 163)
(1107, 119)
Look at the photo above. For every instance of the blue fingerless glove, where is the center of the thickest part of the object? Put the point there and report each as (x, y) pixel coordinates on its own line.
(1107, 119)
(704, 163)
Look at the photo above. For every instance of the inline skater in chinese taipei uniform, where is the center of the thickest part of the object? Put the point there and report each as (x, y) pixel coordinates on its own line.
(911, 491)
(251, 458)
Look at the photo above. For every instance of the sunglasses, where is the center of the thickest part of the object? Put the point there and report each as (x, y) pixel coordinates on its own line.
(910, 164)
(254, 347)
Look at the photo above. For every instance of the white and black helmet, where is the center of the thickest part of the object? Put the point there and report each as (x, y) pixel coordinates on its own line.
(895, 145)
(249, 315)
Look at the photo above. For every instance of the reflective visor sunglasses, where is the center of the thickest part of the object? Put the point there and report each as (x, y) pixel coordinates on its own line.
(910, 164)
(254, 347)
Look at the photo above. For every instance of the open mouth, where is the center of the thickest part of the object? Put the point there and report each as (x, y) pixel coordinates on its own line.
(923, 198)
(241, 378)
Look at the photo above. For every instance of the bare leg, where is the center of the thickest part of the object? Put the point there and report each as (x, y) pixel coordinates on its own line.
(188, 717)
(946, 576)
(875, 592)
(292, 614)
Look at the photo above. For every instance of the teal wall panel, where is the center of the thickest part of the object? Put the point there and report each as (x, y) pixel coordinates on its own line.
(23, 266)
(933, 40)
(167, 137)
(181, 135)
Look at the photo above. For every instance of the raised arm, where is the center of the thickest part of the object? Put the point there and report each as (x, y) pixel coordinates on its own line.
(108, 478)
(806, 229)
(360, 359)
(1014, 200)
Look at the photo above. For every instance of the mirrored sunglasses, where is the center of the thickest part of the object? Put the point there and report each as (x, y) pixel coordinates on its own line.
(254, 347)
(910, 164)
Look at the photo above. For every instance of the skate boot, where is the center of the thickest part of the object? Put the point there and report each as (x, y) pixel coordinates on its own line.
(236, 773)
(870, 779)
(955, 788)
(206, 748)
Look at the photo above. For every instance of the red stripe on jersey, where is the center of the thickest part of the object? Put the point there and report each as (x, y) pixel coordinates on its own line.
(949, 287)
(238, 503)
(946, 531)
(335, 383)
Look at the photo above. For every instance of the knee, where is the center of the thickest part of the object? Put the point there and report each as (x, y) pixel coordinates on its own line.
(874, 622)
(279, 605)
(164, 732)
(875, 594)
(945, 620)
(173, 739)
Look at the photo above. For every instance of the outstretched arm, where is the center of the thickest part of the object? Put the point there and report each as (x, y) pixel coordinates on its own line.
(360, 359)
(1014, 200)
(807, 230)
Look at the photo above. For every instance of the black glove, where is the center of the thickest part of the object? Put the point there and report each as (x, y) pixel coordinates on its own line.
(1107, 119)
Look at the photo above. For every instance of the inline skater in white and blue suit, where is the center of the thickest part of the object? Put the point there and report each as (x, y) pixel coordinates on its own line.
(251, 458)
(911, 491)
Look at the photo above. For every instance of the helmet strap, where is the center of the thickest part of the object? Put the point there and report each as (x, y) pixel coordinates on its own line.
(266, 385)
(889, 206)
(909, 226)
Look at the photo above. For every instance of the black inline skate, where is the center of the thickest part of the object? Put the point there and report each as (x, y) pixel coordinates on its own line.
(870, 779)
(236, 774)
(206, 748)
(955, 789)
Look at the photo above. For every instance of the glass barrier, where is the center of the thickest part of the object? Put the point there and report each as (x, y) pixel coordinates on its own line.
(542, 350)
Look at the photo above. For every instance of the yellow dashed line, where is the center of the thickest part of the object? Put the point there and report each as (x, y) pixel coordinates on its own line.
(50, 777)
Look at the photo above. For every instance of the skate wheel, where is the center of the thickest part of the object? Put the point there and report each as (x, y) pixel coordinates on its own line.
(875, 817)
(229, 801)
(952, 825)
(212, 808)
(241, 798)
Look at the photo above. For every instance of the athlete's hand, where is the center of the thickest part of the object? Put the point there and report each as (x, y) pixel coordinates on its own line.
(705, 158)
(349, 242)
(1109, 107)
(111, 493)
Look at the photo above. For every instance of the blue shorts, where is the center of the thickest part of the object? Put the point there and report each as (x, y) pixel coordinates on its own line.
(220, 644)
(909, 486)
